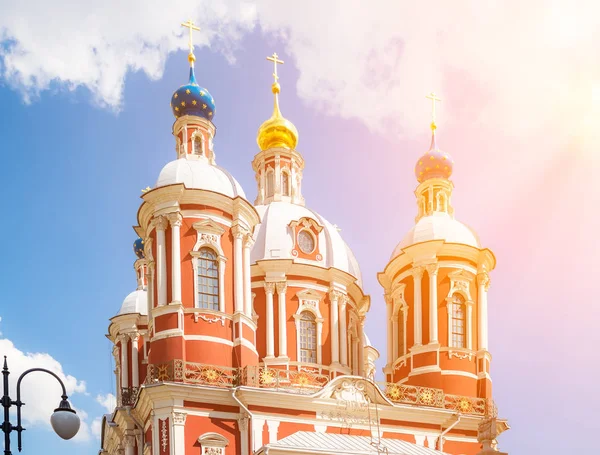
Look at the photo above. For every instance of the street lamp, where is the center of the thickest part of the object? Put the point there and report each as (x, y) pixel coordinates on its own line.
(65, 420)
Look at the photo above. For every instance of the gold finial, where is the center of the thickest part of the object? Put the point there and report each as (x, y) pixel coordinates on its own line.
(274, 58)
(277, 131)
(190, 25)
(433, 97)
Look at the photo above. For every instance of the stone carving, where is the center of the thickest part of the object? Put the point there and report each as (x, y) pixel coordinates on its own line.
(161, 223)
(175, 218)
(432, 269)
(484, 279)
(281, 287)
(164, 435)
(417, 272)
(487, 433)
(220, 319)
(179, 418)
(213, 450)
(269, 288)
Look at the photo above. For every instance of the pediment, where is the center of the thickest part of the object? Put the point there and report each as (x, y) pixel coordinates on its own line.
(353, 392)
(208, 226)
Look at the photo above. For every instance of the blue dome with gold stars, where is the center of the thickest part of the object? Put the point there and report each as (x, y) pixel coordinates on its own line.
(191, 99)
(138, 248)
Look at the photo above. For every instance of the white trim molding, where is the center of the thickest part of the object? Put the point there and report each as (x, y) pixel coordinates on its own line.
(310, 300)
(209, 234)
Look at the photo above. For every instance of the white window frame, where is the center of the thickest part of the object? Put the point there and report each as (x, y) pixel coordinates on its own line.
(310, 300)
(198, 134)
(209, 235)
(460, 283)
(287, 187)
(270, 174)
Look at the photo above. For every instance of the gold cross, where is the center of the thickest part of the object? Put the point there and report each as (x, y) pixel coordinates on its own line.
(275, 60)
(433, 97)
(190, 24)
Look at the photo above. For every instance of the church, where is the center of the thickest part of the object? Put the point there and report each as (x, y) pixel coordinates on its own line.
(245, 334)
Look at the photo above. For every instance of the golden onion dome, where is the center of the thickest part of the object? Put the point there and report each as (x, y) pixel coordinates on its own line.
(277, 131)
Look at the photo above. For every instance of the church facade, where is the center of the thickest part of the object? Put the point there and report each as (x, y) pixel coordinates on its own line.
(246, 331)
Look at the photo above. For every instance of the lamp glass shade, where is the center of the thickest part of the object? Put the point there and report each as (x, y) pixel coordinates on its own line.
(65, 423)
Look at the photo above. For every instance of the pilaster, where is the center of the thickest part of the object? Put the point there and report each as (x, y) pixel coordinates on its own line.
(282, 312)
(176, 220)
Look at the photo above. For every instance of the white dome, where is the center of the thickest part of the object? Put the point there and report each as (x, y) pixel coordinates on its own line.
(136, 302)
(199, 174)
(439, 226)
(273, 238)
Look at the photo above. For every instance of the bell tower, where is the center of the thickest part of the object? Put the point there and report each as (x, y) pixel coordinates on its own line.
(436, 286)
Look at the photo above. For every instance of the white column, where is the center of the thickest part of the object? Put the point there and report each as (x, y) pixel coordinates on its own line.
(269, 290)
(319, 341)
(124, 362)
(343, 331)
(150, 293)
(355, 368)
(178, 432)
(334, 326)
(390, 342)
(361, 346)
(483, 282)
(115, 353)
(129, 442)
(469, 332)
(273, 427)
(395, 332)
(418, 312)
(243, 427)
(175, 219)
(161, 260)
(221, 285)
(432, 270)
(135, 374)
(248, 242)
(449, 302)
(238, 269)
(257, 429)
(281, 289)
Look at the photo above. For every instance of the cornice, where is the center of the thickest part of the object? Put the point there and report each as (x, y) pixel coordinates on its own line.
(427, 252)
(170, 198)
(290, 268)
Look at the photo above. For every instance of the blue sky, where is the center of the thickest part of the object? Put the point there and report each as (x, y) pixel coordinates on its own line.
(73, 168)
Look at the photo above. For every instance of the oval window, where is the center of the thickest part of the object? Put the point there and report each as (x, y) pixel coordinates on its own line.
(306, 241)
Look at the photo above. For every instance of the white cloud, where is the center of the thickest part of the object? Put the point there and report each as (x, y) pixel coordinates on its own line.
(97, 427)
(95, 44)
(40, 392)
(510, 65)
(108, 401)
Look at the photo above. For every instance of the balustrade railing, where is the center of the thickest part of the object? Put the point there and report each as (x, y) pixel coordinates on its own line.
(436, 398)
(302, 382)
(295, 381)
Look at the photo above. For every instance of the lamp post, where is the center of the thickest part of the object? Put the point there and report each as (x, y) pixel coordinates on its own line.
(65, 420)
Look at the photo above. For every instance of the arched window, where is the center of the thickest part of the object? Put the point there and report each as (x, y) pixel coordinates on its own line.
(285, 184)
(270, 183)
(198, 145)
(458, 321)
(308, 337)
(208, 279)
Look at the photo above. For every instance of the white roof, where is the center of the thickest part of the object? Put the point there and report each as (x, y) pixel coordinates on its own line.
(306, 441)
(273, 238)
(199, 174)
(136, 302)
(439, 226)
